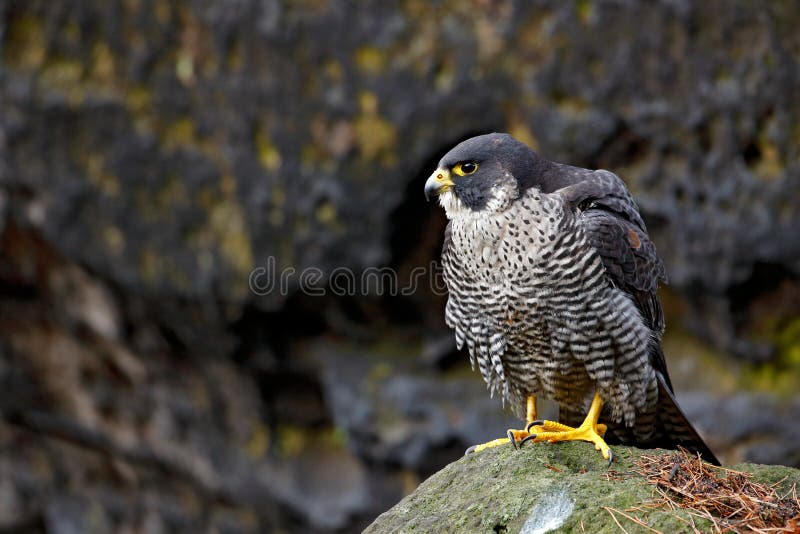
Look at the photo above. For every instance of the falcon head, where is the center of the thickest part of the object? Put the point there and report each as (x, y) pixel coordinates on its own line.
(482, 174)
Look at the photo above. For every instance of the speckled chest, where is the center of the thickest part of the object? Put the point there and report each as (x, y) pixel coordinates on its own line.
(507, 253)
(518, 265)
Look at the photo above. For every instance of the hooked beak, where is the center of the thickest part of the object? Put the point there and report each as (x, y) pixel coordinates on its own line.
(438, 183)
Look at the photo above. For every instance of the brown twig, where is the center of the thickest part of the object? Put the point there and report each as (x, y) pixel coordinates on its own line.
(609, 510)
(730, 500)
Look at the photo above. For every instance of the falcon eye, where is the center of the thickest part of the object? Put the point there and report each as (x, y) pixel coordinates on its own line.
(463, 169)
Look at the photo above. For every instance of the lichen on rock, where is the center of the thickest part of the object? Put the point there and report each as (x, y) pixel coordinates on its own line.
(541, 488)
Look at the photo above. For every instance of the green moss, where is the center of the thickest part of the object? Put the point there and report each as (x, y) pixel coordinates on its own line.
(781, 375)
(499, 489)
(788, 342)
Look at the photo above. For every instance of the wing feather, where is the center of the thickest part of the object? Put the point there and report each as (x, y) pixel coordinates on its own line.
(617, 232)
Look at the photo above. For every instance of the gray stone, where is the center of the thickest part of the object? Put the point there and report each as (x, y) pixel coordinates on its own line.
(565, 487)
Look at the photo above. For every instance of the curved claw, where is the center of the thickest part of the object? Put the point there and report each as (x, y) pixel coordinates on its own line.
(470, 450)
(512, 439)
(610, 457)
(538, 422)
(529, 437)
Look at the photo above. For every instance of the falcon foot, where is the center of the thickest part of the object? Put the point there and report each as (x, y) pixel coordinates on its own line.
(514, 436)
(590, 430)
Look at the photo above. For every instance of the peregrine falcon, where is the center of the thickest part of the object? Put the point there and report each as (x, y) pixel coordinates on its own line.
(552, 283)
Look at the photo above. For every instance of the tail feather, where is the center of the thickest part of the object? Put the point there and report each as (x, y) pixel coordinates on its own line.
(672, 428)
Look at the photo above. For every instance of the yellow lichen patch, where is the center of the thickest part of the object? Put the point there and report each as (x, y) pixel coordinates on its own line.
(326, 213)
(294, 440)
(521, 131)
(187, 55)
(333, 70)
(772, 326)
(370, 59)
(137, 100)
(789, 344)
(63, 75)
(229, 227)
(572, 105)
(769, 165)
(445, 76)
(114, 240)
(585, 11)
(771, 378)
(179, 133)
(184, 68)
(194, 57)
(368, 102)
(25, 45)
(291, 440)
(102, 68)
(376, 137)
(268, 154)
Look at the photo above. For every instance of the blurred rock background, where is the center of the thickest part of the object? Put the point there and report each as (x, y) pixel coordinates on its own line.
(154, 154)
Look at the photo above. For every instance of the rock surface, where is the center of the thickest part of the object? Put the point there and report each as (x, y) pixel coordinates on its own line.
(563, 487)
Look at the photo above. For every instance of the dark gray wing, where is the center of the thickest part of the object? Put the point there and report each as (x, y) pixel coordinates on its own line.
(618, 234)
(612, 222)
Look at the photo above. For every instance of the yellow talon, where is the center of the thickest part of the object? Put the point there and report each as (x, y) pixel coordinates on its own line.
(553, 432)
(589, 430)
(518, 435)
(488, 445)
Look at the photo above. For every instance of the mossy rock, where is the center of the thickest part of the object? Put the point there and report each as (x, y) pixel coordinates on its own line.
(565, 487)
